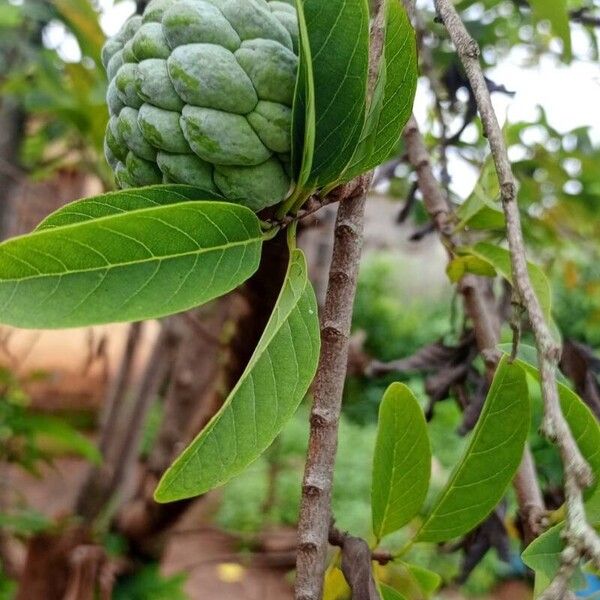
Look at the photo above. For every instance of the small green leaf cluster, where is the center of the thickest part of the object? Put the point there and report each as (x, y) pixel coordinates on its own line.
(402, 467)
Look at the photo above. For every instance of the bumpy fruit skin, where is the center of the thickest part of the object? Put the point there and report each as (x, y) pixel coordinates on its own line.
(200, 92)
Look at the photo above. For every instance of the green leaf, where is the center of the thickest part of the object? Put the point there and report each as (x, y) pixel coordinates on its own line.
(499, 258)
(468, 263)
(24, 522)
(581, 420)
(543, 557)
(428, 581)
(335, 586)
(58, 438)
(264, 399)
(555, 11)
(141, 264)
(389, 593)
(479, 211)
(338, 37)
(401, 463)
(392, 101)
(148, 583)
(122, 201)
(489, 462)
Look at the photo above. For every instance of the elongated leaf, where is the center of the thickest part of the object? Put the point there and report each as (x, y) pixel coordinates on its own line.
(338, 36)
(401, 463)
(489, 462)
(303, 116)
(394, 94)
(122, 201)
(58, 438)
(137, 265)
(264, 399)
(543, 557)
(581, 420)
(499, 258)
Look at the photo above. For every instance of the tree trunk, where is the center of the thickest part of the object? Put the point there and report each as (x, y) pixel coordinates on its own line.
(50, 569)
(194, 395)
(122, 444)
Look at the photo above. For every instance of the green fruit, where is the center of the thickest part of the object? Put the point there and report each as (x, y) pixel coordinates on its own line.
(200, 92)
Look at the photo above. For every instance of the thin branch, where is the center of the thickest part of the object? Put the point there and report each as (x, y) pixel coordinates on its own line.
(113, 405)
(104, 482)
(357, 565)
(580, 536)
(428, 69)
(315, 509)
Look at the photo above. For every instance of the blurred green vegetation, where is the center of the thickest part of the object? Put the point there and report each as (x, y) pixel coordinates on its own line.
(63, 99)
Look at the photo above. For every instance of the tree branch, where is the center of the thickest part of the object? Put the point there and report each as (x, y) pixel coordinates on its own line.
(580, 536)
(315, 509)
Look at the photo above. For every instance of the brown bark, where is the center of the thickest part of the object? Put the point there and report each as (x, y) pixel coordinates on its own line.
(47, 566)
(315, 508)
(92, 575)
(12, 123)
(357, 564)
(193, 397)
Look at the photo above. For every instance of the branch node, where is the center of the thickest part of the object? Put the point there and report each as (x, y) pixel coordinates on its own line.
(472, 49)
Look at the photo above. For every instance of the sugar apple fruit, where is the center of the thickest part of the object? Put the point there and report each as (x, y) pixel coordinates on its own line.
(200, 92)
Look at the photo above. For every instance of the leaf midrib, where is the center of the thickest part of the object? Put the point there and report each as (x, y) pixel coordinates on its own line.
(152, 259)
(455, 475)
(394, 467)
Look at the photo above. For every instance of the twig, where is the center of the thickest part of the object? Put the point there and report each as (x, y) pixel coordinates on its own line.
(428, 69)
(580, 536)
(316, 202)
(356, 564)
(115, 399)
